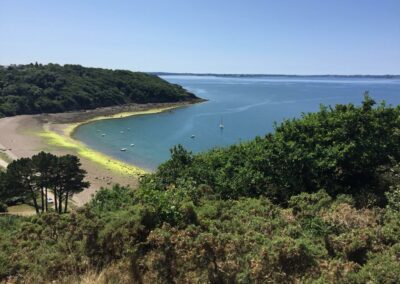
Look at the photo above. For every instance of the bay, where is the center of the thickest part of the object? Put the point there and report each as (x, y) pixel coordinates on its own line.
(247, 107)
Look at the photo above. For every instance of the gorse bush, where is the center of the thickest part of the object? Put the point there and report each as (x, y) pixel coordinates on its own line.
(222, 241)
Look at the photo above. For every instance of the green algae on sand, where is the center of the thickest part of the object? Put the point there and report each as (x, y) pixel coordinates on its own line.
(82, 150)
(65, 140)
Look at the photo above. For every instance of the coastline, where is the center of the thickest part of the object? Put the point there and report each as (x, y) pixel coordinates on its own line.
(26, 135)
(62, 135)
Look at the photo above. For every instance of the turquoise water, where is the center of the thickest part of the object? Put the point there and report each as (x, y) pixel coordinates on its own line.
(247, 107)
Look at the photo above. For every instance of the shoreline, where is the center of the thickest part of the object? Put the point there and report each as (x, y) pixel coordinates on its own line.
(63, 137)
(151, 110)
(27, 135)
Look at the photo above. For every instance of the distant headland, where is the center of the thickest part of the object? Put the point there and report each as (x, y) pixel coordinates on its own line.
(53, 88)
(386, 76)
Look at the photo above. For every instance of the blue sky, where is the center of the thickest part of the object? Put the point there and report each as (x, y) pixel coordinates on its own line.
(254, 36)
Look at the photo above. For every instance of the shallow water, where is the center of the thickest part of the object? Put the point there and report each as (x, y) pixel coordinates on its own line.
(247, 107)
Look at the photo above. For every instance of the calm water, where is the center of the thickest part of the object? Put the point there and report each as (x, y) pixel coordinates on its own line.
(247, 107)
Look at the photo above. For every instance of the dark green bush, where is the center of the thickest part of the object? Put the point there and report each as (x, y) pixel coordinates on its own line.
(3, 207)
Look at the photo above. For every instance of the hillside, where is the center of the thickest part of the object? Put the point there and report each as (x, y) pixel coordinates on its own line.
(317, 201)
(36, 88)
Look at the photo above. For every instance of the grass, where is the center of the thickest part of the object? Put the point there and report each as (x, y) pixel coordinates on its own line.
(29, 210)
(21, 210)
(5, 157)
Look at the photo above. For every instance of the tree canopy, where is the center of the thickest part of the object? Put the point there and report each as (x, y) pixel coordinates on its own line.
(36, 88)
(33, 179)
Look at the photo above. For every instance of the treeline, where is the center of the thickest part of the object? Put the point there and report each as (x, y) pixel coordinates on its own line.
(38, 179)
(36, 88)
(317, 201)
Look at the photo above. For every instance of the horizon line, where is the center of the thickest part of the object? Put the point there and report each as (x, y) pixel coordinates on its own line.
(166, 73)
(270, 74)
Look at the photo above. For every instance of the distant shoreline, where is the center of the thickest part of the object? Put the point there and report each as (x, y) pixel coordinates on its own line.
(359, 76)
(26, 135)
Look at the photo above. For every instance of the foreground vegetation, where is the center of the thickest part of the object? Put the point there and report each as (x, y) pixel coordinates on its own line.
(36, 88)
(318, 201)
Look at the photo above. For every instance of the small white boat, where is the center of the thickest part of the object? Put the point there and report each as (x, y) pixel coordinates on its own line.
(221, 124)
(132, 145)
(123, 149)
(103, 134)
(192, 136)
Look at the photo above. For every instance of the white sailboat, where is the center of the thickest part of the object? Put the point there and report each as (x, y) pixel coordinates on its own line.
(221, 124)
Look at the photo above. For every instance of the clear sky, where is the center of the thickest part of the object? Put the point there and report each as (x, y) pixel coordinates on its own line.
(218, 36)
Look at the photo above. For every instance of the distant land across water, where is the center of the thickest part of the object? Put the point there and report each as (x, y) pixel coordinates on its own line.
(247, 106)
(386, 76)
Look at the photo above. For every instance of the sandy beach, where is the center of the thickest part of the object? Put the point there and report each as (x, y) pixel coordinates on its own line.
(26, 135)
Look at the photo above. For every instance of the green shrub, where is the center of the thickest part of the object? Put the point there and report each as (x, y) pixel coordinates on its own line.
(382, 268)
(3, 207)
(113, 199)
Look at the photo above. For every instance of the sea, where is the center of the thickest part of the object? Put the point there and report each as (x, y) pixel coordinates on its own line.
(237, 110)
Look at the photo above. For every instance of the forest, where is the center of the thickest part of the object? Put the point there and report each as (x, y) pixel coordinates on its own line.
(316, 201)
(37, 88)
